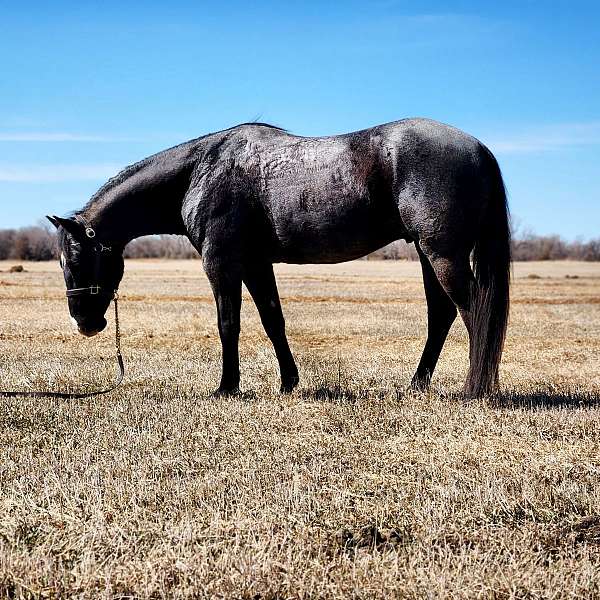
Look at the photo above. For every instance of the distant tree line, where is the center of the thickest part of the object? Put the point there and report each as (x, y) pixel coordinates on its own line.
(161, 246)
(27, 243)
(39, 243)
(525, 247)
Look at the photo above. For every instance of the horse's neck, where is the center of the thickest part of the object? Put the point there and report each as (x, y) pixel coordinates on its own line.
(144, 199)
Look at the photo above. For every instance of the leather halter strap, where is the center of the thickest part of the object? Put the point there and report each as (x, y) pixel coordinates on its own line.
(92, 290)
(99, 248)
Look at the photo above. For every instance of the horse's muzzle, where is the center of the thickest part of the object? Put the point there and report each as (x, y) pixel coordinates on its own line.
(90, 330)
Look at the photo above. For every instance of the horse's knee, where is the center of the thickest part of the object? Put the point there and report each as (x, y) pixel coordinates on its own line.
(229, 326)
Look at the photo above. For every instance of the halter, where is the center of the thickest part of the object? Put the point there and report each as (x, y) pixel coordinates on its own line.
(99, 248)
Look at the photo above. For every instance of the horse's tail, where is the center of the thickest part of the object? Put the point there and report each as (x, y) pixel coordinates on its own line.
(490, 295)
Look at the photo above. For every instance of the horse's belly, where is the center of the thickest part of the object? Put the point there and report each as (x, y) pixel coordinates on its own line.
(332, 229)
(331, 253)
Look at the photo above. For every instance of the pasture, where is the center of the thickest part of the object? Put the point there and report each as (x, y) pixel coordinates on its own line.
(349, 487)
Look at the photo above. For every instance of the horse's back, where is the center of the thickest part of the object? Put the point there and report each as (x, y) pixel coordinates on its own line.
(346, 196)
(329, 199)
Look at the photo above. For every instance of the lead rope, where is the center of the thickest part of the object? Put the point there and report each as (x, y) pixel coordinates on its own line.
(78, 395)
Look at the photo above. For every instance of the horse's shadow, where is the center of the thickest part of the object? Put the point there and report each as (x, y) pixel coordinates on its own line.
(331, 393)
(507, 399)
(545, 399)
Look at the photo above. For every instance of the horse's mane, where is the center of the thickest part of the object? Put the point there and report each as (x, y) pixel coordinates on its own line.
(116, 180)
(258, 123)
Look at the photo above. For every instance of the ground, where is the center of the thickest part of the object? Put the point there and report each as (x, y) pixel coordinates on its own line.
(350, 487)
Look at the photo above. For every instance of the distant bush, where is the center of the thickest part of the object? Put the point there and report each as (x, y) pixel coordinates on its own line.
(398, 250)
(28, 243)
(536, 247)
(161, 246)
(552, 247)
(525, 247)
(39, 243)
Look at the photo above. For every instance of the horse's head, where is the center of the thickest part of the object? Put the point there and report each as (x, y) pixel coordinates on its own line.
(93, 269)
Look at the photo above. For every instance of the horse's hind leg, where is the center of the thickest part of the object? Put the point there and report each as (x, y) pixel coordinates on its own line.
(260, 281)
(441, 313)
(456, 278)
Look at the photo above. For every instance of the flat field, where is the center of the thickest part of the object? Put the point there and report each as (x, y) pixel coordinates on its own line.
(349, 487)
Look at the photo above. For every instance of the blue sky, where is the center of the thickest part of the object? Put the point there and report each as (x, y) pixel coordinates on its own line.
(89, 87)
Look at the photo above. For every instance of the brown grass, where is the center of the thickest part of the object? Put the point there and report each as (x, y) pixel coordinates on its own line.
(350, 487)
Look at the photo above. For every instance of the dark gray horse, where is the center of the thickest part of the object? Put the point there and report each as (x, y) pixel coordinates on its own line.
(254, 195)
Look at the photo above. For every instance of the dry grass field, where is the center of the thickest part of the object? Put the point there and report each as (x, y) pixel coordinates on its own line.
(349, 487)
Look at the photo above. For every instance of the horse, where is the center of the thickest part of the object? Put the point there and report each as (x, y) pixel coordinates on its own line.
(254, 195)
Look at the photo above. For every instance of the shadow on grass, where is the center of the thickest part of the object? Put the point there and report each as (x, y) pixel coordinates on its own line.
(549, 398)
(330, 393)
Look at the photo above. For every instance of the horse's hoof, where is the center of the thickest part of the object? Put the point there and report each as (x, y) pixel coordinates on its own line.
(419, 385)
(225, 392)
(287, 387)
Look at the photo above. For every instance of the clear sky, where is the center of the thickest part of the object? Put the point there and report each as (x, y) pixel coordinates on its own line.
(89, 87)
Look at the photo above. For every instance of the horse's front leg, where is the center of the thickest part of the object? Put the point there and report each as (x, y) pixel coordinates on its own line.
(225, 279)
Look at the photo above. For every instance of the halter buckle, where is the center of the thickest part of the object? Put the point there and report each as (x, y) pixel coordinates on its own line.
(94, 290)
(89, 231)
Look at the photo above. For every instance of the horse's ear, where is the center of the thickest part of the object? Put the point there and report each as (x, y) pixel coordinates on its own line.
(53, 220)
(69, 225)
